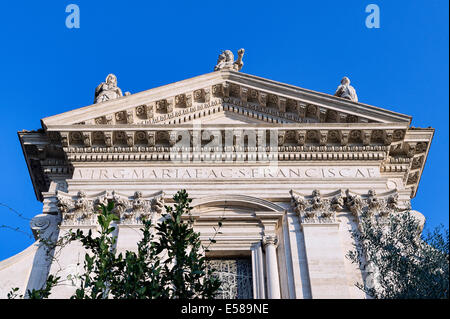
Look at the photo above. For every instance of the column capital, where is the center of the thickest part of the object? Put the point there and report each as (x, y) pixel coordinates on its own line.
(270, 240)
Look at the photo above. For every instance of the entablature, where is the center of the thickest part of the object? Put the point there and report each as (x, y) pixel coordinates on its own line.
(398, 150)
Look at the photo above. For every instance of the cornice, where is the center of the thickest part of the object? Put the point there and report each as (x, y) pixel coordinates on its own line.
(250, 126)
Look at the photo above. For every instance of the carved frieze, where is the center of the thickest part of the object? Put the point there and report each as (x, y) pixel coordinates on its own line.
(141, 112)
(150, 109)
(312, 111)
(86, 139)
(300, 137)
(417, 162)
(413, 178)
(121, 117)
(344, 137)
(421, 147)
(130, 116)
(357, 140)
(332, 116)
(352, 119)
(388, 136)
(76, 138)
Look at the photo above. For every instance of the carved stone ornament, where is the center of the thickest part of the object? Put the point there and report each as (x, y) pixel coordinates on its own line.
(374, 205)
(107, 90)
(226, 61)
(80, 210)
(317, 208)
(76, 210)
(157, 204)
(270, 240)
(346, 91)
(45, 230)
(40, 223)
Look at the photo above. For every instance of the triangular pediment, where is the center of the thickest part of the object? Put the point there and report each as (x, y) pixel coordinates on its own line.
(225, 97)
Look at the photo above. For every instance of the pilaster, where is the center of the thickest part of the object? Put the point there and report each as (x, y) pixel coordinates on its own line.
(324, 253)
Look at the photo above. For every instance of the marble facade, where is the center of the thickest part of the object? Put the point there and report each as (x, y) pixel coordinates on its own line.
(286, 167)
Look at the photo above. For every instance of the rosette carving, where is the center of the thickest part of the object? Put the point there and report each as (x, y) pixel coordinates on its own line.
(40, 223)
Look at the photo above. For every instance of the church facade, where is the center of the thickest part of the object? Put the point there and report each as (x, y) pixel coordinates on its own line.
(281, 166)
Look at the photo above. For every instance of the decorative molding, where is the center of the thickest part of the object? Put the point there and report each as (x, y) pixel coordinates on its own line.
(242, 200)
(334, 138)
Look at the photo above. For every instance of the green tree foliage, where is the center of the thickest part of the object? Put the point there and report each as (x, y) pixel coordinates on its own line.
(36, 293)
(401, 263)
(169, 262)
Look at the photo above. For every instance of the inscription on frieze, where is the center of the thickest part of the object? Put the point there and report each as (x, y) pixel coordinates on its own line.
(226, 173)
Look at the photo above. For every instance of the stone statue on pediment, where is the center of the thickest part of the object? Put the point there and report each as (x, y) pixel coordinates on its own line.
(107, 90)
(346, 91)
(226, 61)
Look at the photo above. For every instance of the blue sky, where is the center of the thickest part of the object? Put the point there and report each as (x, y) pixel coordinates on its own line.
(46, 68)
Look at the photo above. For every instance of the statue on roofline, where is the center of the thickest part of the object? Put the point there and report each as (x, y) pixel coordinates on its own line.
(108, 90)
(346, 91)
(226, 61)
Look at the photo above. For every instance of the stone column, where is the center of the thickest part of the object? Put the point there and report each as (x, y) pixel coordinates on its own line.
(273, 282)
